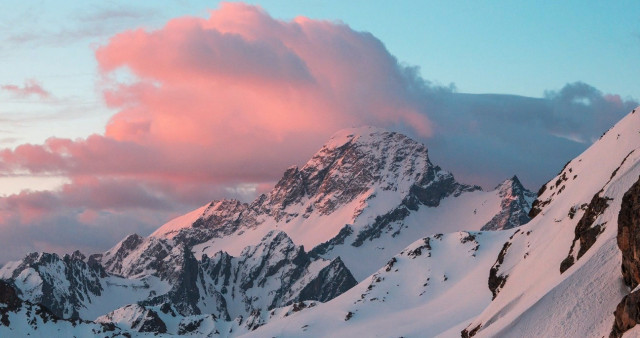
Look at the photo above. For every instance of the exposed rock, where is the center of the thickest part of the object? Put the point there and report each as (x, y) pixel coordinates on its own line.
(339, 239)
(151, 323)
(629, 235)
(136, 256)
(66, 284)
(627, 313)
(538, 204)
(219, 219)
(418, 251)
(185, 293)
(332, 281)
(9, 296)
(496, 280)
(515, 206)
(586, 232)
(470, 333)
(224, 284)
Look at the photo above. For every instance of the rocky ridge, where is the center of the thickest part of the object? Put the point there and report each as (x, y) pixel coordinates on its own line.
(365, 188)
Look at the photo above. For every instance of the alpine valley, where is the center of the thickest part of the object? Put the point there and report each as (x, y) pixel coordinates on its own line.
(368, 238)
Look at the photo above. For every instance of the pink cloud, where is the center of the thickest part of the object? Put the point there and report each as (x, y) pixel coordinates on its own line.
(30, 87)
(215, 104)
(233, 98)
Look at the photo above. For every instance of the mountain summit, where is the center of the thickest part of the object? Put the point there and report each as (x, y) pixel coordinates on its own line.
(230, 267)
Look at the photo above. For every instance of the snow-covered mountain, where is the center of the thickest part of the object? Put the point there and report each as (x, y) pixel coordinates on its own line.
(559, 275)
(231, 267)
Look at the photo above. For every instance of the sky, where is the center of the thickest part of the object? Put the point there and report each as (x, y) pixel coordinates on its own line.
(116, 116)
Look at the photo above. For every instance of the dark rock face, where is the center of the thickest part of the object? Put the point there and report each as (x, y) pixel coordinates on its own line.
(275, 268)
(586, 232)
(66, 283)
(185, 294)
(629, 235)
(339, 239)
(470, 333)
(148, 256)
(515, 206)
(151, 323)
(220, 218)
(332, 281)
(435, 186)
(35, 315)
(9, 296)
(627, 314)
(559, 185)
(497, 280)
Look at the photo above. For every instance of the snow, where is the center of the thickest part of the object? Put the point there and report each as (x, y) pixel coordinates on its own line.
(536, 301)
(422, 295)
(581, 301)
(435, 286)
(172, 227)
(121, 291)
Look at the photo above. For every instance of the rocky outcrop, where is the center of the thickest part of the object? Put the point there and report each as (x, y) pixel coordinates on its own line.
(31, 319)
(627, 314)
(586, 232)
(219, 219)
(331, 281)
(496, 279)
(185, 293)
(515, 206)
(9, 296)
(434, 186)
(272, 274)
(629, 235)
(62, 285)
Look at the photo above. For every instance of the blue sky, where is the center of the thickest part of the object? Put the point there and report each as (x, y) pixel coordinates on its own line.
(559, 73)
(508, 47)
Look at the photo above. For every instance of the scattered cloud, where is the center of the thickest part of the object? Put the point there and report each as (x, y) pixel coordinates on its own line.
(33, 26)
(116, 13)
(29, 89)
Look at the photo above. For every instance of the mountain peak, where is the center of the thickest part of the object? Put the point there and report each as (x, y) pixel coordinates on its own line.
(513, 183)
(515, 204)
(361, 134)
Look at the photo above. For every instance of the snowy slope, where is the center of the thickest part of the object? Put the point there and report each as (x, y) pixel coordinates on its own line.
(71, 288)
(20, 318)
(580, 301)
(532, 297)
(435, 284)
(366, 193)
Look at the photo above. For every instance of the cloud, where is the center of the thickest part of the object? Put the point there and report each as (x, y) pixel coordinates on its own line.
(222, 97)
(214, 107)
(30, 88)
(34, 25)
(486, 138)
(115, 13)
(218, 107)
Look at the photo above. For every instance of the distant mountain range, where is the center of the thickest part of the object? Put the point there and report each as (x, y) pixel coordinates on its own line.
(368, 238)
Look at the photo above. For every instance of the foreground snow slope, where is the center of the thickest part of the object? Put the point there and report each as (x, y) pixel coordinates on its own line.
(435, 284)
(537, 299)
